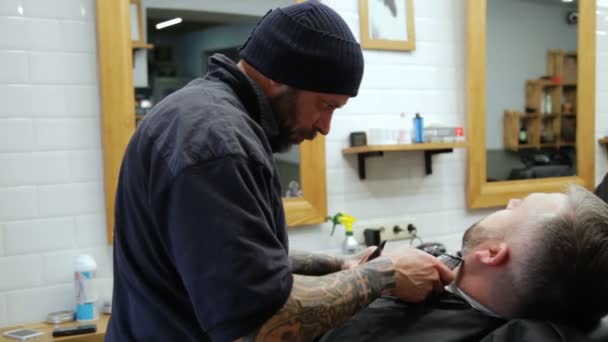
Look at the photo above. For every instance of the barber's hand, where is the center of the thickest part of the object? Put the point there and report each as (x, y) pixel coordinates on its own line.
(417, 274)
(360, 258)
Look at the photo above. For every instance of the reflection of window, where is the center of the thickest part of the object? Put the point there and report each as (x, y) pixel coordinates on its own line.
(387, 20)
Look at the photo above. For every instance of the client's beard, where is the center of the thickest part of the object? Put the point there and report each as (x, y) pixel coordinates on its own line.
(285, 108)
(472, 237)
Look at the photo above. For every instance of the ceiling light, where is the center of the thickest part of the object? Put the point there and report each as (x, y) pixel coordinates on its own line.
(168, 23)
(567, 0)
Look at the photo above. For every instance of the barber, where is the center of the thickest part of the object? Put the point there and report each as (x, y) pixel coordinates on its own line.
(200, 245)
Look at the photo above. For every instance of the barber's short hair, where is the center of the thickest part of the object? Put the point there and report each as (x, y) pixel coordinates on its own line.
(565, 279)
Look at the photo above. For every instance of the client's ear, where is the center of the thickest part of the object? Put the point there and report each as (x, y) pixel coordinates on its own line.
(494, 253)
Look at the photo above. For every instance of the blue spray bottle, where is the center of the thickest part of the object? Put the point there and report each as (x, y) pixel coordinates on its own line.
(418, 129)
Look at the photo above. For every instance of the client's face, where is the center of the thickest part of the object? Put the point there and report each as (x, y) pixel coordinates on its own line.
(518, 213)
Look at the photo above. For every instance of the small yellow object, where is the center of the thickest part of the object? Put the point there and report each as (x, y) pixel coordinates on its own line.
(347, 221)
(344, 219)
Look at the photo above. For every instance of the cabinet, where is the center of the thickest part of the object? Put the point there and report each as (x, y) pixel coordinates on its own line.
(549, 117)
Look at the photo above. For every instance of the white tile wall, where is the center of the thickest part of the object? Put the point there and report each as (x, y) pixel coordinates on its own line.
(17, 71)
(31, 236)
(20, 271)
(51, 194)
(16, 134)
(50, 154)
(20, 304)
(3, 308)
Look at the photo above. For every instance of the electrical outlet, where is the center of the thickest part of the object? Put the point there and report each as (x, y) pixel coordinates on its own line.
(390, 229)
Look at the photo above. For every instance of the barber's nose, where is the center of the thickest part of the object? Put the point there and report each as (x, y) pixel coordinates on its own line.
(324, 124)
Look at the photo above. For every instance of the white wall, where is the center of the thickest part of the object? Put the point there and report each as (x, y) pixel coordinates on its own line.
(51, 193)
(51, 197)
(519, 34)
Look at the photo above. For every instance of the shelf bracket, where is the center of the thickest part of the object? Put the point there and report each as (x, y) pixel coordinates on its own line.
(361, 161)
(428, 160)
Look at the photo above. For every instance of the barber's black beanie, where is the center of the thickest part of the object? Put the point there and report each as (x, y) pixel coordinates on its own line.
(306, 46)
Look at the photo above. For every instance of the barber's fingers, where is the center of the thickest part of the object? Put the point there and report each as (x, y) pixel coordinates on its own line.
(438, 287)
(445, 274)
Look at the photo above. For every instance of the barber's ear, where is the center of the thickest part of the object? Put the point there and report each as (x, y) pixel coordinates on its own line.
(276, 88)
(493, 254)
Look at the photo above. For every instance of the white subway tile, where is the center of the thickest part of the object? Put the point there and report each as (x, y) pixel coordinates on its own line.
(56, 9)
(601, 78)
(601, 101)
(59, 266)
(70, 199)
(11, 8)
(45, 101)
(431, 224)
(50, 167)
(18, 70)
(105, 287)
(16, 169)
(3, 314)
(16, 135)
(32, 100)
(91, 230)
(33, 305)
(82, 101)
(1, 239)
(12, 98)
(77, 36)
(85, 165)
(44, 34)
(53, 134)
(33, 168)
(20, 271)
(40, 235)
(452, 197)
(13, 33)
(18, 202)
(65, 68)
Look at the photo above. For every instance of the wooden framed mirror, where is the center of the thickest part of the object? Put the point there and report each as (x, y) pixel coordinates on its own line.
(544, 101)
(115, 54)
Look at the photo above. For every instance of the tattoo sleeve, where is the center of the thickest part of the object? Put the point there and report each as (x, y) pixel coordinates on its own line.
(314, 264)
(318, 304)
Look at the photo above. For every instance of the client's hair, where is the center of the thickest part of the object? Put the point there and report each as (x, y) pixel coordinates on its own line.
(565, 279)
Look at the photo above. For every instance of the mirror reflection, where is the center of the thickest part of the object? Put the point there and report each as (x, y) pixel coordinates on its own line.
(531, 89)
(182, 39)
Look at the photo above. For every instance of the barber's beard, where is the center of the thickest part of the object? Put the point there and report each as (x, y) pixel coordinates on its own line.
(285, 107)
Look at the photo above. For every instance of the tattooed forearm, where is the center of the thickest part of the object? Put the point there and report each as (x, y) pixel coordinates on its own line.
(317, 304)
(314, 264)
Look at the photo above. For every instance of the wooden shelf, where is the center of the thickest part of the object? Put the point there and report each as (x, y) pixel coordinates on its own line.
(140, 45)
(603, 141)
(398, 148)
(429, 149)
(523, 147)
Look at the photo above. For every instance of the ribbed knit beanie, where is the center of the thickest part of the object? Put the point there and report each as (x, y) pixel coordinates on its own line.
(306, 46)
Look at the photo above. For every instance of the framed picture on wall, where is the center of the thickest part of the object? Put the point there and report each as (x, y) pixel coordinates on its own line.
(387, 24)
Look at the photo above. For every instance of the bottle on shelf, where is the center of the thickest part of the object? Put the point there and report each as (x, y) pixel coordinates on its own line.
(523, 135)
(418, 129)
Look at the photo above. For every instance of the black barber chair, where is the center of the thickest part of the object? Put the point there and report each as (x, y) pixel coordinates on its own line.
(541, 165)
